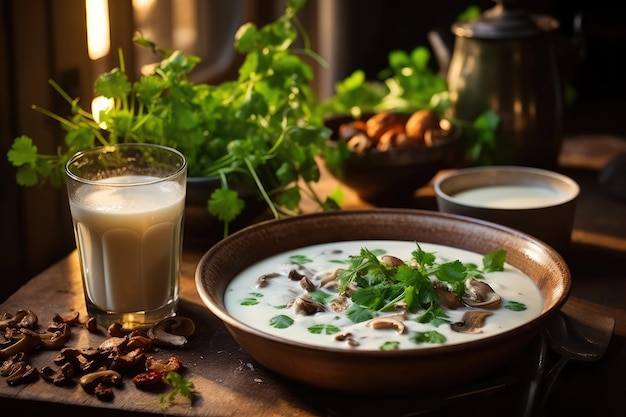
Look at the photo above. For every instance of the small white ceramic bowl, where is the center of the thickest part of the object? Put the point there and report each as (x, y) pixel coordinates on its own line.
(535, 201)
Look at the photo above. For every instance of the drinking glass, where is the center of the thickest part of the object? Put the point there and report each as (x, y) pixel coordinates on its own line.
(127, 203)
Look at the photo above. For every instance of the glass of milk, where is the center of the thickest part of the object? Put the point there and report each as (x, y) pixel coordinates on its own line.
(127, 203)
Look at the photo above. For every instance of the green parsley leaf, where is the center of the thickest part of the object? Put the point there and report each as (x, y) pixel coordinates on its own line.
(23, 151)
(390, 345)
(249, 301)
(357, 313)
(494, 261)
(225, 204)
(515, 306)
(434, 316)
(281, 321)
(431, 336)
(323, 329)
(113, 84)
(321, 297)
(377, 296)
(26, 175)
(299, 259)
(181, 387)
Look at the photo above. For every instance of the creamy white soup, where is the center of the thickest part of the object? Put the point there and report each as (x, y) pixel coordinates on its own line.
(511, 196)
(270, 307)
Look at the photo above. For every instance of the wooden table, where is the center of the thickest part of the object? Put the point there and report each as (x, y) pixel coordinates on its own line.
(229, 383)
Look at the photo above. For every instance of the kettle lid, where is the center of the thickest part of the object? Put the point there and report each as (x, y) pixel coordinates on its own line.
(504, 21)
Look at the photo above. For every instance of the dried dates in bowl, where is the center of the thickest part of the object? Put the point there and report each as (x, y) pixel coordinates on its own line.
(393, 153)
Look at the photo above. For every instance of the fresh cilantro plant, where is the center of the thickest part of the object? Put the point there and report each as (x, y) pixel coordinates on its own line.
(259, 132)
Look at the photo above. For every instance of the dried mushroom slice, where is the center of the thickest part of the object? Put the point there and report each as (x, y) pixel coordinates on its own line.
(306, 305)
(481, 295)
(172, 331)
(388, 322)
(472, 322)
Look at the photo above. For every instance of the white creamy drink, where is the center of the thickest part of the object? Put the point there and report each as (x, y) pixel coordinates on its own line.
(128, 240)
(510, 196)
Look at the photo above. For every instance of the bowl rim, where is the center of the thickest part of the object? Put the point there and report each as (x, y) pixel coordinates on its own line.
(220, 311)
(571, 187)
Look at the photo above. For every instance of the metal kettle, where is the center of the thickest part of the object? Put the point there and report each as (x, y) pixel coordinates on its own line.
(505, 62)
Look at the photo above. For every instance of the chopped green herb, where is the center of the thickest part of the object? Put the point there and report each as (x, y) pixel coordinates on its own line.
(323, 329)
(299, 259)
(434, 316)
(431, 336)
(249, 301)
(379, 286)
(515, 306)
(181, 387)
(494, 261)
(358, 313)
(321, 296)
(390, 345)
(281, 321)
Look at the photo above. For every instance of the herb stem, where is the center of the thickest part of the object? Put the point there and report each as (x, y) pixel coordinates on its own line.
(261, 188)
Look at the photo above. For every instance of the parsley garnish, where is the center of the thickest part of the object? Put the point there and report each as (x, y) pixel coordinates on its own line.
(251, 301)
(390, 345)
(431, 336)
(181, 387)
(323, 329)
(281, 321)
(515, 306)
(299, 259)
(379, 287)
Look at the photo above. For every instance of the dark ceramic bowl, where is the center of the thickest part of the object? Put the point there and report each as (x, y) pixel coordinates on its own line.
(381, 372)
(200, 226)
(390, 178)
(550, 218)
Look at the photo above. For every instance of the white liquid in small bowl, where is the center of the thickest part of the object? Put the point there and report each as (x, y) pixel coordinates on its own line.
(511, 196)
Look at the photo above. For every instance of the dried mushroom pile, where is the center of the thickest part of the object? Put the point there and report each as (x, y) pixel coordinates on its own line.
(390, 130)
(123, 354)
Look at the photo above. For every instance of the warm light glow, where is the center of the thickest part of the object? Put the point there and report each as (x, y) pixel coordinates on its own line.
(98, 33)
(185, 32)
(142, 10)
(100, 104)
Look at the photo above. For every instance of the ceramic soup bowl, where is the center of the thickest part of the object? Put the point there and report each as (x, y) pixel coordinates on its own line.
(380, 371)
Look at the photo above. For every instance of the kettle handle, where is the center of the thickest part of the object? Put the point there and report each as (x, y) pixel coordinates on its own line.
(441, 43)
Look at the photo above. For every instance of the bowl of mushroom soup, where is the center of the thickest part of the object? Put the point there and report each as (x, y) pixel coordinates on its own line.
(382, 300)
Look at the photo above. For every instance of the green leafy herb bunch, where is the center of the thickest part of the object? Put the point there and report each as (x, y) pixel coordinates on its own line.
(260, 131)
